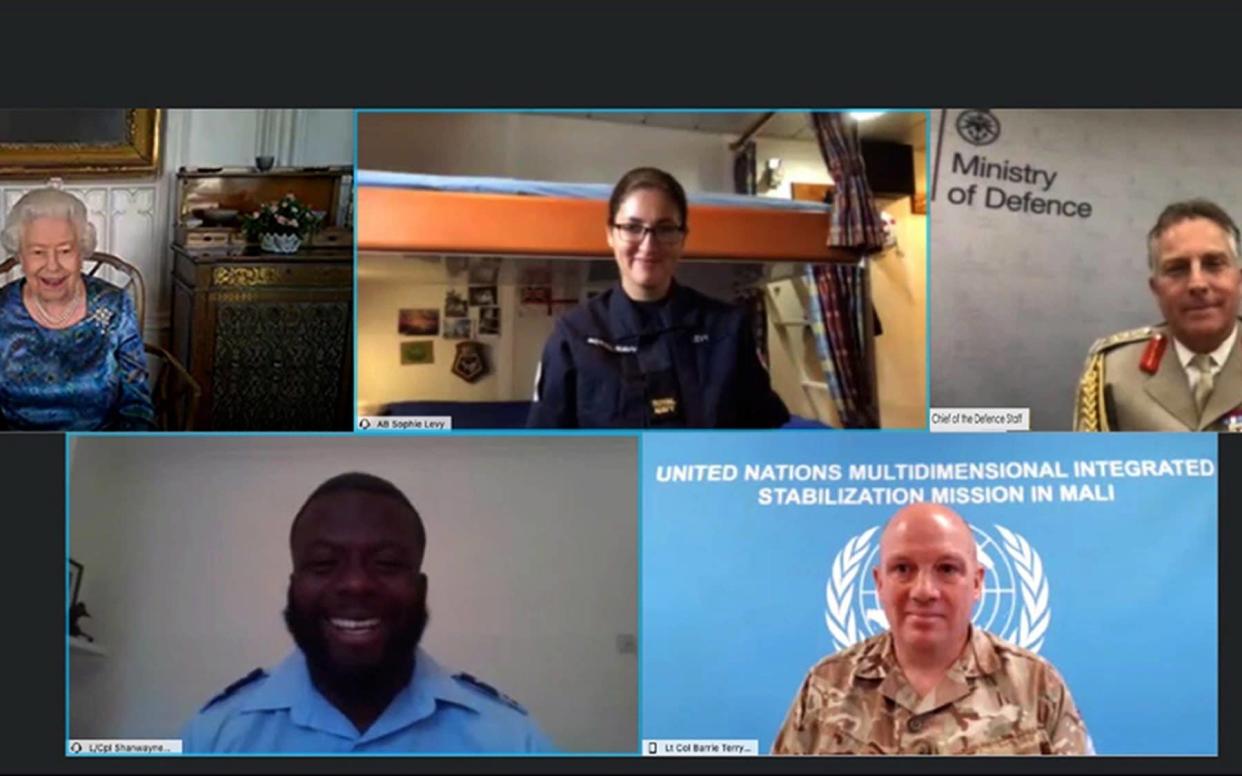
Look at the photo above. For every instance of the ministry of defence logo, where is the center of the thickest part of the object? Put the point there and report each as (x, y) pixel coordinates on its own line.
(1014, 581)
(978, 127)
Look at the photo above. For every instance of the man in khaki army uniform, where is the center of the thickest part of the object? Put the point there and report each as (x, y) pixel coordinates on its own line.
(933, 684)
(1184, 374)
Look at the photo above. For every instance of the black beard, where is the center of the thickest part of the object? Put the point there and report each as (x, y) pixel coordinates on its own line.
(393, 671)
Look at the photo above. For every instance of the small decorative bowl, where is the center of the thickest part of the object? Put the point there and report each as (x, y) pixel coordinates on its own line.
(219, 215)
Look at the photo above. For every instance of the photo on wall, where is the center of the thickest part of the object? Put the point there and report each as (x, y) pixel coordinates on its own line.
(536, 295)
(482, 296)
(484, 270)
(489, 321)
(455, 305)
(420, 322)
(457, 328)
(418, 352)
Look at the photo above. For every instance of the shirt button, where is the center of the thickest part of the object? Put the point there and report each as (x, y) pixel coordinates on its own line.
(915, 724)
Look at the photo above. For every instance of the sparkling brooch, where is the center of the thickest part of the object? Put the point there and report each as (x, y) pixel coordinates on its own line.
(102, 317)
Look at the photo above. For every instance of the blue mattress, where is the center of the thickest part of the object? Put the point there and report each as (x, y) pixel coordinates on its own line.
(481, 185)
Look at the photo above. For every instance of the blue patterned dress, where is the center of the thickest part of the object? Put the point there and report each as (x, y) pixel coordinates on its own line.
(91, 376)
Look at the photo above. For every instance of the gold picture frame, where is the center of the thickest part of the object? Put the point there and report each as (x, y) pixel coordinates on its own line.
(132, 147)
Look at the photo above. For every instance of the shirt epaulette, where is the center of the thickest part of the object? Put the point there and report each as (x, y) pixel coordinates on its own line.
(1122, 338)
(489, 691)
(249, 678)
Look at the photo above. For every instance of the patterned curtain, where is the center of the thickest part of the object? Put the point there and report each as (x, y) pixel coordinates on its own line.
(838, 307)
(855, 221)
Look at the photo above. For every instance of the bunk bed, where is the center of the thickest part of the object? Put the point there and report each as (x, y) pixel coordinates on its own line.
(433, 214)
(417, 213)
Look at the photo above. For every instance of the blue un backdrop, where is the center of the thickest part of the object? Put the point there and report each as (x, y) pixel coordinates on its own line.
(739, 600)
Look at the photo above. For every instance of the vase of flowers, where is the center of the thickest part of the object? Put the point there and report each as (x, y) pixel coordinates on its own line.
(280, 227)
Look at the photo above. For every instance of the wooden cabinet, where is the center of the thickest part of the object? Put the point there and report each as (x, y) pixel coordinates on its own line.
(268, 336)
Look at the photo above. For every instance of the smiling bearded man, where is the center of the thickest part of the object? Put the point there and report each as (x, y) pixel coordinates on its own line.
(358, 681)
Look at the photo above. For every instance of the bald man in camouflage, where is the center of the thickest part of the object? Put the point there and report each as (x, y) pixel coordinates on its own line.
(933, 684)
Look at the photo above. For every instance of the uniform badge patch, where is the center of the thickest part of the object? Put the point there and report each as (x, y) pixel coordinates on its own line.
(662, 407)
(470, 363)
(1233, 421)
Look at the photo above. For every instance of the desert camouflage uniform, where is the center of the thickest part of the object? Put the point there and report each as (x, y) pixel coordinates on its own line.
(996, 699)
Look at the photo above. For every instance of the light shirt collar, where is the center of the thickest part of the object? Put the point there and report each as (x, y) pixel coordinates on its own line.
(1219, 356)
(290, 687)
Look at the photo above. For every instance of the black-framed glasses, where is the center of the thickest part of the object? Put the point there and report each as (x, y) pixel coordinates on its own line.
(666, 234)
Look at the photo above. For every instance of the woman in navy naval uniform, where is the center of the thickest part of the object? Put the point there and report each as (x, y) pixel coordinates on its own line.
(649, 352)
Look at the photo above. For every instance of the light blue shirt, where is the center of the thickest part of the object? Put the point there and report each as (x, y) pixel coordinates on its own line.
(436, 713)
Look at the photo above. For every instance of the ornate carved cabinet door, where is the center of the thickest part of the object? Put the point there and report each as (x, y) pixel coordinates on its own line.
(268, 336)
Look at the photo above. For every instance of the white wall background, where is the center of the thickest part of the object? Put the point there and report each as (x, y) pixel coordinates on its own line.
(531, 561)
(388, 283)
(899, 289)
(573, 149)
(1018, 299)
(134, 216)
(540, 148)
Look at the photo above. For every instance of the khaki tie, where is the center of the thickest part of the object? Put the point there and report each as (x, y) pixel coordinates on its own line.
(1202, 363)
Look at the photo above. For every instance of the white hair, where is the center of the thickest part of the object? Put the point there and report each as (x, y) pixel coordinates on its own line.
(48, 203)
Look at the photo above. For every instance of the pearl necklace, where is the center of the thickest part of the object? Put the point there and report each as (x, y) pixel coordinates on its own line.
(52, 320)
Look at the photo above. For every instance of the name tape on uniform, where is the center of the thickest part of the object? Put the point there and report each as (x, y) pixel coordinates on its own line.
(986, 419)
(701, 747)
(124, 746)
(407, 423)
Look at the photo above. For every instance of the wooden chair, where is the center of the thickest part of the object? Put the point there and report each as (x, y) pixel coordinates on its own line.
(174, 392)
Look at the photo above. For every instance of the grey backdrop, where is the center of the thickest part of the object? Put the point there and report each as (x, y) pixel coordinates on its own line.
(1016, 298)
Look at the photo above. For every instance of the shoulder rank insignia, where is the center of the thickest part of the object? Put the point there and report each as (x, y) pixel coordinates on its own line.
(1122, 338)
(489, 691)
(249, 678)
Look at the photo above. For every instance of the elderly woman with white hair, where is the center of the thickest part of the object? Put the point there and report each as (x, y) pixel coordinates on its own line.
(71, 354)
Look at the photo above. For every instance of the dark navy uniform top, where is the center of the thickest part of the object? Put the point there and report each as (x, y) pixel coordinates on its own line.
(688, 361)
(436, 712)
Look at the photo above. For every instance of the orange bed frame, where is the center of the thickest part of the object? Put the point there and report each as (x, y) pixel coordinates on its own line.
(424, 221)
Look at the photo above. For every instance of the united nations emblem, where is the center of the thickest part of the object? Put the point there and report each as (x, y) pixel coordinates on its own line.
(978, 127)
(1014, 603)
